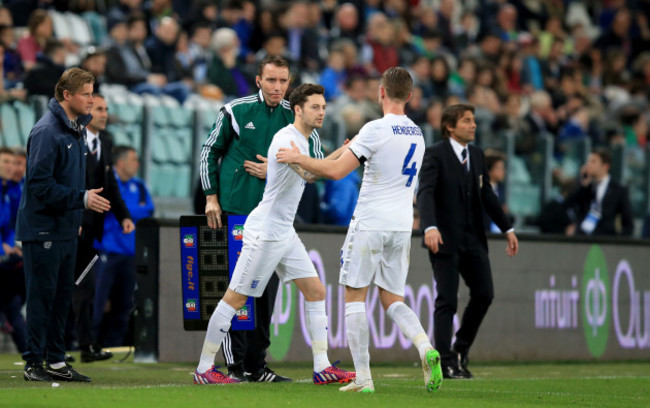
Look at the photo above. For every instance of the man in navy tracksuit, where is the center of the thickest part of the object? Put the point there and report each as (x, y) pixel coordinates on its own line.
(115, 272)
(49, 218)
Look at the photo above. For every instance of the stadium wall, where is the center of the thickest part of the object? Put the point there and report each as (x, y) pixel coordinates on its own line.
(558, 299)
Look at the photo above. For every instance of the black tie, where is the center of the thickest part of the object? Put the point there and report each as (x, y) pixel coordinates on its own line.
(94, 149)
(465, 162)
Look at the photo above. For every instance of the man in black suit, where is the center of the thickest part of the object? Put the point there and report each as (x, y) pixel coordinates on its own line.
(100, 175)
(599, 200)
(454, 190)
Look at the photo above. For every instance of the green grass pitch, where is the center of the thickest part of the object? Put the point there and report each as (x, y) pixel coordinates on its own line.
(127, 384)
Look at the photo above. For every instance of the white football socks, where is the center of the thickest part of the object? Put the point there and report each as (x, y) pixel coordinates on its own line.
(410, 326)
(317, 327)
(356, 326)
(217, 329)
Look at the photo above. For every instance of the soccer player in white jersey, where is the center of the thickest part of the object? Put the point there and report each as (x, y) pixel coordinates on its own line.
(271, 244)
(377, 246)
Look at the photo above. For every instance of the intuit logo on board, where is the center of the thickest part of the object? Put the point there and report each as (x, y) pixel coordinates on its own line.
(600, 304)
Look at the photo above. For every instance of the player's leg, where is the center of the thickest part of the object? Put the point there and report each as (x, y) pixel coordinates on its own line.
(360, 256)
(356, 326)
(391, 279)
(297, 266)
(254, 267)
(259, 339)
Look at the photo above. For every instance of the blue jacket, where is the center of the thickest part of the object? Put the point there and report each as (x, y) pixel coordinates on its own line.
(138, 200)
(52, 202)
(340, 199)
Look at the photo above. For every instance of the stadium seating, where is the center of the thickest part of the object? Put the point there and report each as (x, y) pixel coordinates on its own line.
(26, 119)
(11, 132)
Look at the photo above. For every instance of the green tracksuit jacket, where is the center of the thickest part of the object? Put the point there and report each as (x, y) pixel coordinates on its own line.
(244, 128)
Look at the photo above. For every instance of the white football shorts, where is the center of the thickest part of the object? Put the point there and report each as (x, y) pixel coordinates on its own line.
(259, 259)
(379, 257)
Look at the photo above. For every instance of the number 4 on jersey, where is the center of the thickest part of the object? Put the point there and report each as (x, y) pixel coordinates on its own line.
(409, 170)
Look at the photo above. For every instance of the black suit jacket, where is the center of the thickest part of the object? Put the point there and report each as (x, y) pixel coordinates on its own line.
(93, 222)
(440, 194)
(616, 201)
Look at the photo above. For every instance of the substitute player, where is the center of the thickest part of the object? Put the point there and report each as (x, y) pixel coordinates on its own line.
(378, 242)
(271, 244)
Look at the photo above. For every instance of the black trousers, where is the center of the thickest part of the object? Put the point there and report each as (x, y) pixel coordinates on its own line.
(83, 297)
(245, 350)
(471, 262)
(49, 276)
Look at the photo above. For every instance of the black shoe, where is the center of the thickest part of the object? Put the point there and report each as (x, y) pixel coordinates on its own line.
(66, 373)
(36, 373)
(94, 353)
(463, 360)
(69, 358)
(265, 374)
(238, 375)
(451, 370)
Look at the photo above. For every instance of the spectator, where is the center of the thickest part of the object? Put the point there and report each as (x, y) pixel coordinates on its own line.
(161, 49)
(467, 31)
(275, 45)
(540, 119)
(506, 24)
(199, 52)
(555, 217)
(635, 127)
(495, 163)
(123, 8)
(40, 31)
(116, 269)
(333, 76)
(354, 94)
(420, 71)
(440, 78)
(600, 201)
(445, 23)
(347, 25)
(575, 130)
(302, 40)
(43, 76)
(244, 28)
(416, 106)
(129, 63)
(155, 12)
(202, 12)
(12, 64)
(226, 71)
(433, 117)
(463, 78)
(379, 52)
(94, 60)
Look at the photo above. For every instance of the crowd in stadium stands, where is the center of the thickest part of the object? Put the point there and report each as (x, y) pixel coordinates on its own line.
(575, 69)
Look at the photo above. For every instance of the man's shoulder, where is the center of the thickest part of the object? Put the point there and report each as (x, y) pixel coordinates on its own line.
(243, 104)
(286, 105)
(437, 147)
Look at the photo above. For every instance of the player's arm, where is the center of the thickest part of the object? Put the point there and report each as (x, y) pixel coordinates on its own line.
(333, 169)
(304, 174)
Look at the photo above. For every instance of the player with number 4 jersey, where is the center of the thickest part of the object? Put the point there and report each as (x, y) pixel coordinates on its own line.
(391, 149)
(377, 246)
